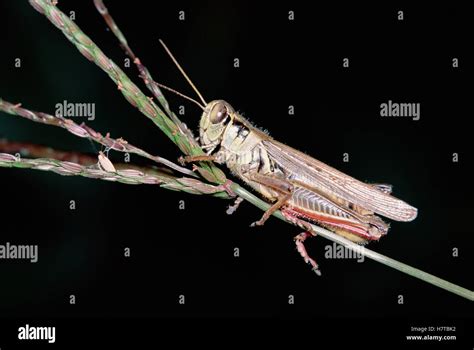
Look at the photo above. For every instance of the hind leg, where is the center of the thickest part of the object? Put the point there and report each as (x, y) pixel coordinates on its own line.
(299, 240)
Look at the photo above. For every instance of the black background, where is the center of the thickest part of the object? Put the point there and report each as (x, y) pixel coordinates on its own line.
(190, 251)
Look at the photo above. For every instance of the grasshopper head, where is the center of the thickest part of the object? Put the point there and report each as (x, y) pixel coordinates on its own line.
(214, 121)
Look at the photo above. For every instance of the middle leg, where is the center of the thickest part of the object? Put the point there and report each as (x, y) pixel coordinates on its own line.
(283, 187)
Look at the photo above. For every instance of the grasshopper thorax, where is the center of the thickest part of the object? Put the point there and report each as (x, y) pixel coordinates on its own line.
(214, 121)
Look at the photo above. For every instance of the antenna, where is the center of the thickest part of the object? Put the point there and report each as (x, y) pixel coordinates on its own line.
(180, 94)
(182, 71)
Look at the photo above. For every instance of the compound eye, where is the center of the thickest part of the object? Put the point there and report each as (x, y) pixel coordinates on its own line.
(218, 113)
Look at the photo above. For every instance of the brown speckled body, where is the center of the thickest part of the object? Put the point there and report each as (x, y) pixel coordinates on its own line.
(319, 193)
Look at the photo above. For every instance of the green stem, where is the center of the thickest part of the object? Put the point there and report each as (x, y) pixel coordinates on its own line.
(409, 270)
(128, 174)
(129, 90)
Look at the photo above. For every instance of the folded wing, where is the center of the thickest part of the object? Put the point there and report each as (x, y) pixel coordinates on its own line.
(330, 180)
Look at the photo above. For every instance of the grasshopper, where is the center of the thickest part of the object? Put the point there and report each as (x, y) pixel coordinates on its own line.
(303, 188)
